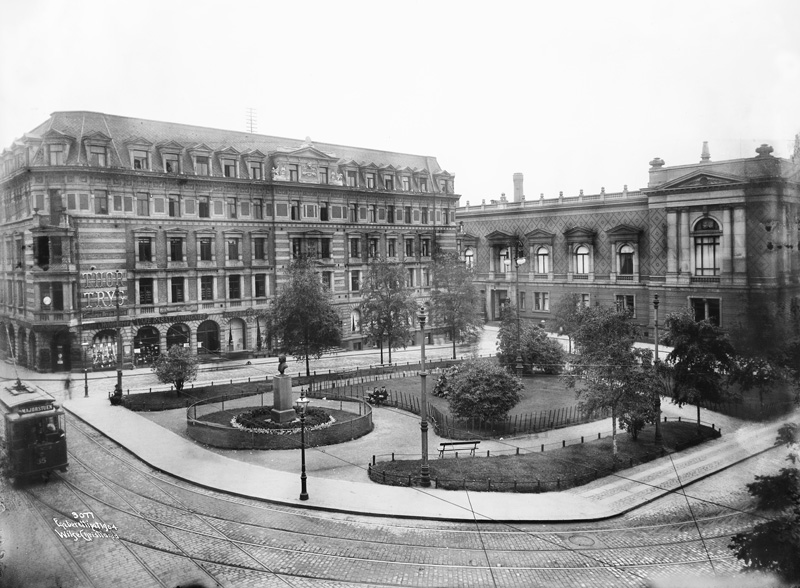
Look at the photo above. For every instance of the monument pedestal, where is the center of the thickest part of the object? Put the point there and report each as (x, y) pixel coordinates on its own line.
(282, 409)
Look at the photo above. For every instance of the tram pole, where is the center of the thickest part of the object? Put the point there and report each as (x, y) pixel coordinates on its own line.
(119, 342)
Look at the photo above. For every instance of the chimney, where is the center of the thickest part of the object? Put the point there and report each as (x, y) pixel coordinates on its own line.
(518, 187)
(705, 156)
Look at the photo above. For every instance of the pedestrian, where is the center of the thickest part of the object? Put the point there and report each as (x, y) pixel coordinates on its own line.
(68, 387)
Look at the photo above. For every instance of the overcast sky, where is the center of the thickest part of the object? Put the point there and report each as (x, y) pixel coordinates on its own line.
(575, 95)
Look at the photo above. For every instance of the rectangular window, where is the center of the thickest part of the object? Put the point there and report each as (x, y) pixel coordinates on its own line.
(295, 211)
(234, 287)
(410, 277)
(176, 287)
(409, 247)
(128, 203)
(255, 171)
(426, 248)
(584, 302)
(443, 186)
(117, 201)
(323, 175)
(100, 202)
(541, 301)
(229, 168)
(232, 209)
(388, 182)
(56, 154)
(423, 184)
(203, 208)
(406, 184)
(145, 246)
(353, 213)
(97, 156)
(207, 288)
(407, 218)
(174, 206)
(293, 173)
(424, 219)
(373, 214)
(426, 277)
(625, 303)
(707, 309)
(233, 249)
(171, 163)
(352, 180)
(205, 249)
(355, 280)
(391, 246)
(355, 247)
(390, 214)
(261, 285)
(325, 248)
(297, 248)
(370, 181)
(140, 159)
(201, 166)
(327, 280)
(146, 291)
(521, 300)
(373, 247)
(260, 248)
(323, 211)
(143, 204)
(175, 249)
(258, 209)
(83, 201)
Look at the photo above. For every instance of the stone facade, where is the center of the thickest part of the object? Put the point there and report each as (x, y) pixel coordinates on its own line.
(722, 238)
(191, 229)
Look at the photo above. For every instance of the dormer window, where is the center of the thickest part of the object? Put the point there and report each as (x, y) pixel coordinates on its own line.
(388, 182)
(423, 184)
(202, 165)
(57, 154)
(370, 177)
(141, 159)
(255, 170)
(229, 168)
(352, 179)
(171, 163)
(406, 184)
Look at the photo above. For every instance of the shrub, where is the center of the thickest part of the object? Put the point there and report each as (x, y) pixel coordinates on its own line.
(444, 384)
(484, 390)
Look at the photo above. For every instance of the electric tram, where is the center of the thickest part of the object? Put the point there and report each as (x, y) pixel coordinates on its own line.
(35, 431)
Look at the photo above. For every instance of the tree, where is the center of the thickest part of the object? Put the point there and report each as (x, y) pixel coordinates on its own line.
(700, 360)
(177, 366)
(386, 305)
(565, 315)
(609, 369)
(484, 390)
(538, 351)
(455, 300)
(774, 544)
(302, 315)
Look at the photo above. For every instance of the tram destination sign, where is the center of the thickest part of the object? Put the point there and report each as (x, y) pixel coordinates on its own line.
(35, 408)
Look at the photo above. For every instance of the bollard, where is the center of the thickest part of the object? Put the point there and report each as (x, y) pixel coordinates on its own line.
(489, 486)
(436, 482)
(563, 443)
(542, 448)
(665, 419)
(487, 453)
(679, 419)
(558, 482)
(409, 480)
(373, 460)
(581, 438)
(538, 485)
(392, 455)
(517, 450)
(598, 435)
(631, 463)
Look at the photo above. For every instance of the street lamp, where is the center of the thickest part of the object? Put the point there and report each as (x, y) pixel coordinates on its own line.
(85, 346)
(300, 406)
(518, 261)
(424, 472)
(658, 439)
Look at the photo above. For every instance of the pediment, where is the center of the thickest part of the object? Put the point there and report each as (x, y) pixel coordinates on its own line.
(701, 179)
(349, 163)
(444, 173)
(388, 168)
(54, 134)
(171, 146)
(370, 165)
(97, 137)
(578, 234)
(499, 238)
(139, 142)
(201, 147)
(540, 236)
(255, 154)
(624, 232)
(229, 151)
(308, 152)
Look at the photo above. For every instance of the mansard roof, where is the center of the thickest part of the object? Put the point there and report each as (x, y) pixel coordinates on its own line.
(121, 130)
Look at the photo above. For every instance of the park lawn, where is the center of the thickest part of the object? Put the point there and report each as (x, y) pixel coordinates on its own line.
(556, 469)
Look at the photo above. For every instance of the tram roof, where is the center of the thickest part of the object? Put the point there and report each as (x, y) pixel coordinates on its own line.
(16, 394)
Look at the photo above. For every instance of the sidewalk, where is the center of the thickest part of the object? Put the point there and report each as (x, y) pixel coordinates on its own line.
(274, 475)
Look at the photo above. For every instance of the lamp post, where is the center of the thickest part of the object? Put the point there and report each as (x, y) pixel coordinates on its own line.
(85, 346)
(518, 261)
(300, 406)
(119, 342)
(658, 439)
(424, 472)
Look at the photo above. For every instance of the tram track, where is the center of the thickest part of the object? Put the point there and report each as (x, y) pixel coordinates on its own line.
(294, 544)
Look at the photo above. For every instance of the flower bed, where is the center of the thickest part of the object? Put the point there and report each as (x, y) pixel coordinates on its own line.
(260, 421)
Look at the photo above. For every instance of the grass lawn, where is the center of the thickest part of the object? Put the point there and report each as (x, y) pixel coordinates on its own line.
(556, 469)
(168, 400)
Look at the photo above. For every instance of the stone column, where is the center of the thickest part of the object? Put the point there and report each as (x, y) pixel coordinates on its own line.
(726, 244)
(672, 243)
(739, 241)
(685, 255)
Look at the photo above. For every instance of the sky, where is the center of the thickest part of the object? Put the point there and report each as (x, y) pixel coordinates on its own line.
(573, 95)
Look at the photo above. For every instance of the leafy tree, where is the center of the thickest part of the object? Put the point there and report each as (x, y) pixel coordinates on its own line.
(302, 315)
(455, 300)
(565, 315)
(386, 305)
(538, 351)
(608, 369)
(484, 390)
(774, 544)
(701, 360)
(177, 366)
(759, 373)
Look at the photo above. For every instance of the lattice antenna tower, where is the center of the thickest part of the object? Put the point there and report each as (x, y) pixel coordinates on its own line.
(251, 119)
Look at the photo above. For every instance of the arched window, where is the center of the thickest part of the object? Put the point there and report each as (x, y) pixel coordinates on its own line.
(626, 253)
(208, 337)
(582, 259)
(469, 257)
(706, 247)
(542, 260)
(355, 321)
(178, 334)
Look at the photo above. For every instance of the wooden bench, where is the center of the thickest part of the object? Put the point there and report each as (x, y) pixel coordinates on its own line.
(456, 445)
(378, 396)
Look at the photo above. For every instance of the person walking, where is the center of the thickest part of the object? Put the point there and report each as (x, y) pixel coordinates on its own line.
(68, 387)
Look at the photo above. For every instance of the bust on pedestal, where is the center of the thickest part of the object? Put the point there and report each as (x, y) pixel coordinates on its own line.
(282, 406)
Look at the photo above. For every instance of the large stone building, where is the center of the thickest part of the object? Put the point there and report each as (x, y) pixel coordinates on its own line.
(194, 228)
(721, 238)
